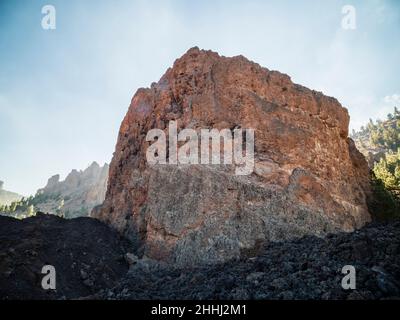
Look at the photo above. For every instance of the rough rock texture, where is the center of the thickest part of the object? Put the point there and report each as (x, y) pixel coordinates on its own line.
(308, 179)
(92, 260)
(77, 195)
(87, 255)
(306, 268)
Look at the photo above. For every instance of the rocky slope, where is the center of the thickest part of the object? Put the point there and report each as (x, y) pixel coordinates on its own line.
(87, 255)
(307, 268)
(92, 260)
(7, 197)
(308, 177)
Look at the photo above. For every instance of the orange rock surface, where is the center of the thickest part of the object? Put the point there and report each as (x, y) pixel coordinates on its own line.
(308, 176)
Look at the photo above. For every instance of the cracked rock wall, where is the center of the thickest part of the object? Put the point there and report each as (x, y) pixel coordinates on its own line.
(308, 178)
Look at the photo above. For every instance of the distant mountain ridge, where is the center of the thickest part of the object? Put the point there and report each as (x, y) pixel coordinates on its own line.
(73, 197)
(7, 197)
(77, 194)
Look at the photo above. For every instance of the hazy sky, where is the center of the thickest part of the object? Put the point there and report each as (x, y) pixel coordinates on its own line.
(64, 92)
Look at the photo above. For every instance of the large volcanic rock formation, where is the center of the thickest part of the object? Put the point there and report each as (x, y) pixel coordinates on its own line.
(75, 196)
(308, 177)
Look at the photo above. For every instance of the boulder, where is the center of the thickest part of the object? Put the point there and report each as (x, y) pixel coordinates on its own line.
(308, 177)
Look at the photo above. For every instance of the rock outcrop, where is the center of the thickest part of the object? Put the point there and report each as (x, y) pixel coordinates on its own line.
(308, 176)
(76, 195)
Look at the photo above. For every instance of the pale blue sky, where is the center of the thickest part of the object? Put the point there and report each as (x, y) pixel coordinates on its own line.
(64, 92)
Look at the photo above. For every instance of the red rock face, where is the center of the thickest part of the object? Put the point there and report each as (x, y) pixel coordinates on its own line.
(308, 176)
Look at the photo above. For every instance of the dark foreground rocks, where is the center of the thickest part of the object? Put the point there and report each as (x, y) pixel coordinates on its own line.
(92, 260)
(308, 268)
(87, 256)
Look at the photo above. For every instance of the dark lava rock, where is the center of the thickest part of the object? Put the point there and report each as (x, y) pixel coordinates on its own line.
(306, 268)
(91, 263)
(87, 256)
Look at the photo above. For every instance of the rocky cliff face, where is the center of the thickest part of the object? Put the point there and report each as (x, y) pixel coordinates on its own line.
(76, 195)
(308, 176)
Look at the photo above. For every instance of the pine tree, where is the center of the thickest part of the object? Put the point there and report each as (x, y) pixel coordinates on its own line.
(30, 211)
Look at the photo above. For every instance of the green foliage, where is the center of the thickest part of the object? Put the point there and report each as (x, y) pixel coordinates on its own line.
(27, 207)
(385, 204)
(385, 134)
(42, 197)
(23, 208)
(388, 171)
(383, 138)
(30, 211)
(386, 186)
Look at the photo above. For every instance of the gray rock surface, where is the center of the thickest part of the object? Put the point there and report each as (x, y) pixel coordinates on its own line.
(76, 195)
